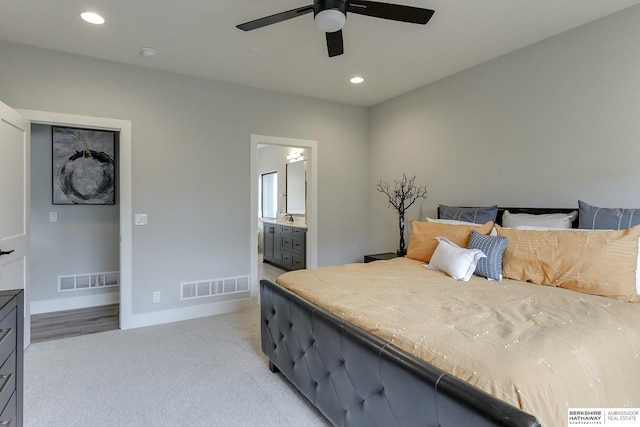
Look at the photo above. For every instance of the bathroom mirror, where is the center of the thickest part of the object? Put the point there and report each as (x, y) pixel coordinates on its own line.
(296, 188)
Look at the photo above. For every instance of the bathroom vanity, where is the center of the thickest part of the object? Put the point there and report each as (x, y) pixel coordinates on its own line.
(285, 245)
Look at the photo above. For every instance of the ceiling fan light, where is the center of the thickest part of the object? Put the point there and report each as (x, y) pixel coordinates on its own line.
(330, 20)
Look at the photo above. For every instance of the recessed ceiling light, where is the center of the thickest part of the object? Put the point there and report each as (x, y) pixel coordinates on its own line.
(92, 18)
(148, 52)
(356, 80)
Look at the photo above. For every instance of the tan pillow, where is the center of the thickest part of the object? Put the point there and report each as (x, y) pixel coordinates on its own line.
(599, 262)
(423, 241)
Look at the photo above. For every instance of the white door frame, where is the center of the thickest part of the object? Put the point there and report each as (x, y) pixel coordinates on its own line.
(312, 200)
(17, 130)
(124, 189)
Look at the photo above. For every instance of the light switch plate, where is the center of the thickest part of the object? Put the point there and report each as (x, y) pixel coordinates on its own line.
(141, 219)
(53, 216)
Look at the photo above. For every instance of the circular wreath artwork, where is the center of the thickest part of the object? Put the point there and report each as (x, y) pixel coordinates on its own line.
(84, 166)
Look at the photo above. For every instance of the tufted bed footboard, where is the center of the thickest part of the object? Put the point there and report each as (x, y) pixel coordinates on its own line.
(357, 379)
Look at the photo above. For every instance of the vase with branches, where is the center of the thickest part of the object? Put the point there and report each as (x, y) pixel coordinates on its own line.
(402, 195)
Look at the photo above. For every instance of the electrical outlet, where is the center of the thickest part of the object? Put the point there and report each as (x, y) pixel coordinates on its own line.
(156, 296)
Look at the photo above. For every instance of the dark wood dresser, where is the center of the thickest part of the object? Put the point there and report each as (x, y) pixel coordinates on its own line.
(11, 357)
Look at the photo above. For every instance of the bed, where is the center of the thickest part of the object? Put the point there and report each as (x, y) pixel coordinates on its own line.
(362, 372)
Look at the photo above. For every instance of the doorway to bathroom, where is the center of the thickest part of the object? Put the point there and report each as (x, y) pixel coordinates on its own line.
(270, 160)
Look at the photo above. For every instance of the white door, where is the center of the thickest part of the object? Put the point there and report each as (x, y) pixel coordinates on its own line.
(14, 205)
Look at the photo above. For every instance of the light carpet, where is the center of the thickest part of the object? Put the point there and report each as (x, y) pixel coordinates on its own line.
(204, 372)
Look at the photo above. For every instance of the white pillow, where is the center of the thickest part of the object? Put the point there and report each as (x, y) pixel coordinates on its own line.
(553, 221)
(457, 262)
(451, 221)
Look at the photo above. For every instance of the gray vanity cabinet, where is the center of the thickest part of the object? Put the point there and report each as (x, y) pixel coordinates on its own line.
(285, 246)
(268, 233)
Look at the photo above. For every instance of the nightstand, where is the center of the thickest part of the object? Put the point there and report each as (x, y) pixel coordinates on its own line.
(380, 257)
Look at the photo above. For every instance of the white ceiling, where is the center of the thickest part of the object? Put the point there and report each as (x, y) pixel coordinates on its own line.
(198, 37)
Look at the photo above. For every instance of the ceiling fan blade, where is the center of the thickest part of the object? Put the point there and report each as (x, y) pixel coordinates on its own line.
(395, 12)
(335, 46)
(274, 19)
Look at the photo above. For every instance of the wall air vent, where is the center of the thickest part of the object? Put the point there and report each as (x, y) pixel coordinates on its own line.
(78, 282)
(214, 287)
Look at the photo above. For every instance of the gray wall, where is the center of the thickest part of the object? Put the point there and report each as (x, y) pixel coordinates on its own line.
(191, 159)
(84, 239)
(543, 126)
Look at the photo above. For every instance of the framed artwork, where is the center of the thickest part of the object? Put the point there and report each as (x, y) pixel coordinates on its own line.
(84, 171)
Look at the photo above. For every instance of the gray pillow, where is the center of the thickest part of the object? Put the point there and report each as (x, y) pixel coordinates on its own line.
(475, 215)
(595, 218)
(493, 247)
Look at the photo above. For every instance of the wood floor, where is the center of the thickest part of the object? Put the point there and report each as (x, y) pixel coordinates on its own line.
(268, 271)
(71, 323)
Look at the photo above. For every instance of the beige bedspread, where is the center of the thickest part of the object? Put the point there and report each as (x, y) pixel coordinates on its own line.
(542, 349)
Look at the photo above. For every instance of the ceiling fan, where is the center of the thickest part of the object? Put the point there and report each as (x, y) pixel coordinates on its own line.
(330, 16)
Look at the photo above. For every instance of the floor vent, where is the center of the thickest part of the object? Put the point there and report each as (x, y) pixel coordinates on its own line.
(213, 287)
(88, 281)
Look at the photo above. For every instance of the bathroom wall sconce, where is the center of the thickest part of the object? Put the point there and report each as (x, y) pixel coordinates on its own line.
(295, 156)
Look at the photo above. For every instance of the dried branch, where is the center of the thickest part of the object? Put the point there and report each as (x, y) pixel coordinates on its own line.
(404, 192)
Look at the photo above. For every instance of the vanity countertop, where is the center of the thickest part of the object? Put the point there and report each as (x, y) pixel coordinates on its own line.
(289, 223)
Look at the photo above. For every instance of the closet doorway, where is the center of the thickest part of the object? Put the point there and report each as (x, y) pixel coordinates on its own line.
(75, 245)
(123, 231)
(75, 229)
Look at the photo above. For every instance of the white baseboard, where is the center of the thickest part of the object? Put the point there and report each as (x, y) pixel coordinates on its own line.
(61, 304)
(186, 313)
(143, 319)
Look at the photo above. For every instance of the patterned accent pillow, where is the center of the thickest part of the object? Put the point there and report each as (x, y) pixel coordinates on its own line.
(475, 215)
(595, 218)
(493, 247)
(597, 262)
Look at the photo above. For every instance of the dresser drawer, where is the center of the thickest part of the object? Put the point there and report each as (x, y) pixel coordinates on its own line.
(8, 418)
(7, 380)
(7, 335)
(11, 357)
